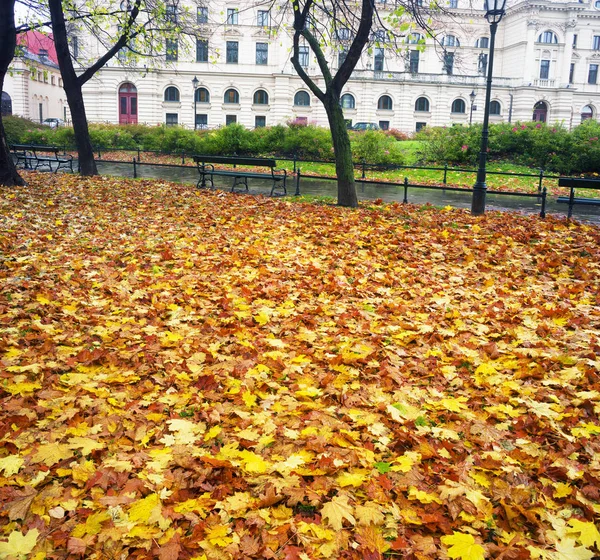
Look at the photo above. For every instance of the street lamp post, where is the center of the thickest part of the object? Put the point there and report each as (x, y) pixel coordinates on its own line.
(472, 95)
(195, 83)
(494, 10)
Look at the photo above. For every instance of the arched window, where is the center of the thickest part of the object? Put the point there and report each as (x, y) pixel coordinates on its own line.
(231, 96)
(450, 41)
(302, 99)
(171, 94)
(540, 112)
(482, 43)
(343, 34)
(458, 106)
(202, 95)
(587, 113)
(422, 105)
(494, 108)
(347, 101)
(6, 104)
(547, 37)
(385, 103)
(414, 38)
(261, 97)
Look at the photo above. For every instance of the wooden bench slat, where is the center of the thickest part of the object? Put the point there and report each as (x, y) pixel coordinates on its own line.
(40, 155)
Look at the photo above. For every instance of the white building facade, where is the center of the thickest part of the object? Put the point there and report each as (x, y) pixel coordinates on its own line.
(546, 65)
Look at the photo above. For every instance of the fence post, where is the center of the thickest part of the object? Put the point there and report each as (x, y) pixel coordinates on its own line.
(294, 162)
(543, 210)
(182, 158)
(297, 193)
(541, 180)
(363, 168)
(405, 190)
(138, 153)
(445, 181)
(134, 169)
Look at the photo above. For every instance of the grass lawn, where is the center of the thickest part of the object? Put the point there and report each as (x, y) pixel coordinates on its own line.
(215, 376)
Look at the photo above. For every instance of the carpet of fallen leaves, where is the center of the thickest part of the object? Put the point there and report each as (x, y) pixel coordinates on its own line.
(190, 375)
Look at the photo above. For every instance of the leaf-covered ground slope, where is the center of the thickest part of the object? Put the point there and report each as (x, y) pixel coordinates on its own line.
(205, 375)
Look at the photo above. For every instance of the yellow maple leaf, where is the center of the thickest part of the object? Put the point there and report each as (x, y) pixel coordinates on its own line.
(463, 546)
(51, 453)
(562, 489)
(336, 511)
(369, 514)
(261, 318)
(355, 478)
(87, 445)
(254, 463)
(42, 299)
(217, 535)
(588, 532)
(586, 430)
(11, 464)
(22, 388)
(212, 433)
(142, 510)
(415, 494)
(566, 550)
(19, 545)
(249, 399)
(92, 525)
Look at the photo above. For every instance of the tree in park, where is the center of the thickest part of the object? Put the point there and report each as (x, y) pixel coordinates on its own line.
(321, 23)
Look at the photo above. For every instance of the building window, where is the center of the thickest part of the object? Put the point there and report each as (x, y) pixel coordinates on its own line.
(230, 119)
(547, 37)
(171, 13)
(571, 72)
(172, 94)
(201, 121)
(232, 16)
(342, 57)
(302, 99)
(453, 3)
(379, 35)
(172, 48)
(544, 69)
(75, 46)
(415, 38)
(202, 95)
(262, 53)
(303, 56)
(596, 43)
(261, 97)
(347, 101)
(422, 105)
(232, 52)
(384, 125)
(587, 113)
(201, 50)
(378, 59)
(458, 106)
(260, 121)
(53, 80)
(202, 15)
(171, 119)
(231, 96)
(343, 34)
(495, 108)
(575, 41)
(413, 62)
(449, 63)
(450, 41)
(482, 43)
(482, 63)
(262, 18)
(420, 126)
(385, 103)
(593, 74)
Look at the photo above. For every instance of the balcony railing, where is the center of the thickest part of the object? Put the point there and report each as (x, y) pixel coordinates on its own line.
(544, 83)
(474, 80)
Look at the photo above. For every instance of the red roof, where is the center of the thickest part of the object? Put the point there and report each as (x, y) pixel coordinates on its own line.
(34, 41)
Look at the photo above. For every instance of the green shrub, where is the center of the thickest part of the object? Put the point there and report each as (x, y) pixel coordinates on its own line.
(377, 148)
(17, 129)
(307, 141)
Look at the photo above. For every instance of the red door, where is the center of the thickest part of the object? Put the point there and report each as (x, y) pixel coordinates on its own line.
(128, 104)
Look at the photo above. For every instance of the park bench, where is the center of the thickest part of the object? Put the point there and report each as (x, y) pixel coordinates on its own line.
(573, 183)
(207, 170)
(36, 157)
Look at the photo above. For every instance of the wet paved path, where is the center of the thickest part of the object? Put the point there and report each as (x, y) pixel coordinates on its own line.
(321, 187)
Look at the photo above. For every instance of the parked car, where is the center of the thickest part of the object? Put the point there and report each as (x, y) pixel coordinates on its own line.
(53, 123)
(361, 126)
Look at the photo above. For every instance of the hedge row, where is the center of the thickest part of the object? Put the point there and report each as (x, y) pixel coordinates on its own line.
(550, 147)
(302, 141)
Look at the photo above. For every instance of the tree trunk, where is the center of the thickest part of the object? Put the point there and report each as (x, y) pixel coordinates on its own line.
(8, 41)
(343, 155)
(72, 85)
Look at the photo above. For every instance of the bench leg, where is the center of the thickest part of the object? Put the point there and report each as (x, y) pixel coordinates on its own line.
(276, 185)
(240, 181)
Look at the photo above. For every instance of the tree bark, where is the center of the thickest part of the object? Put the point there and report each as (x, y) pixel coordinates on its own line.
(72, 86)
(9, 175)
(344, 167)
